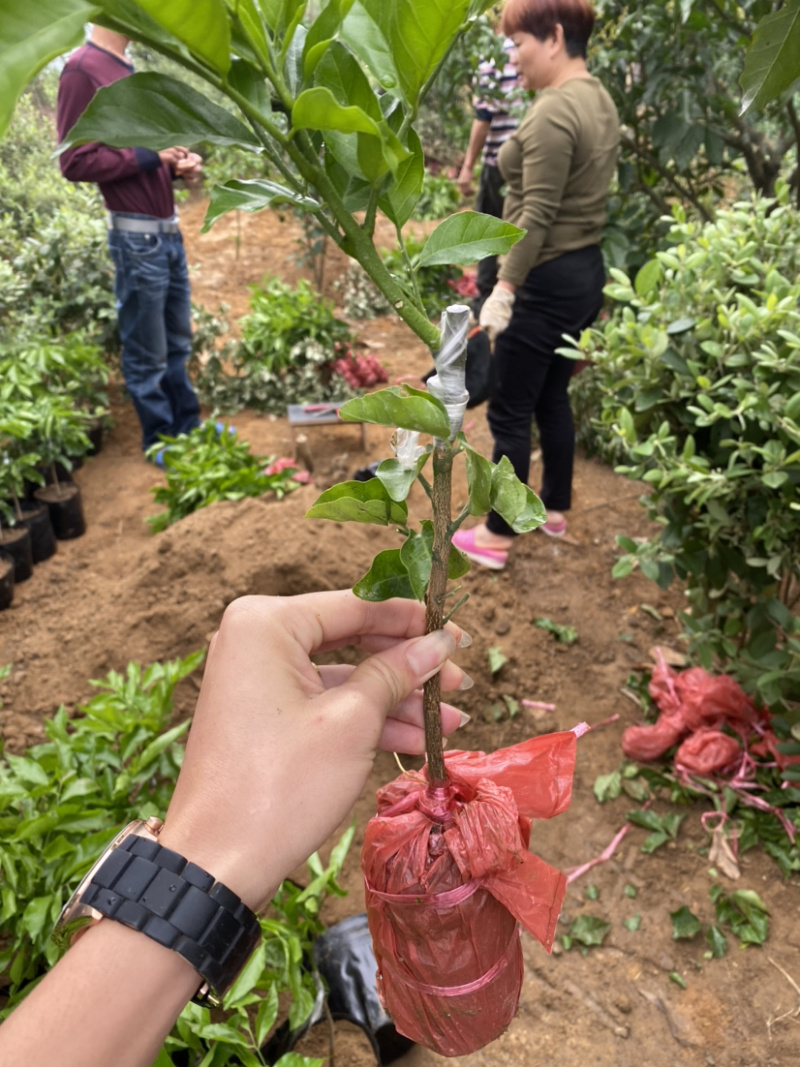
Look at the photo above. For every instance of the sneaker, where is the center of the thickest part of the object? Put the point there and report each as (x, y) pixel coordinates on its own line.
(493, 558)
(554, 529)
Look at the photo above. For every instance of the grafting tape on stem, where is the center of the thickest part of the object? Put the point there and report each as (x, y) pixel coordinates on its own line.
(450, 361)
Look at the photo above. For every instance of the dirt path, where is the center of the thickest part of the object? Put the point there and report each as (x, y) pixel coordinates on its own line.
(120, 593)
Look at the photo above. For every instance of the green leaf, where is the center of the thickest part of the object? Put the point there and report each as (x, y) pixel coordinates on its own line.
(516, 503)
(415, 33)
(589, 930)
(497, 659)
(648, 278)
(717, 941)
(202, 27)
(629, 890)
(386, 578)
(248, 977)
(27, 769)
(607, 786)
(771, 65)
(36, 915)
(466, 238)
(592, 892)
(416, 555)
(266, 1015)
(292, 1059)
(685, 925)
(398, 480)
(322, 34)
(156, 112)
(31, 35)
(677, 979)
(633, 923)
(280, 13)
(401, 195)
(479, 480)
(252, 195)
(399, 406)
(359, 502)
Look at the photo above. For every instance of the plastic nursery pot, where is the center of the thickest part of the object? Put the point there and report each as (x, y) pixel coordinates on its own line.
(95, 434)
(16, 541)
(43, 541)
(66, 509)
(6, 580)
(344, 958)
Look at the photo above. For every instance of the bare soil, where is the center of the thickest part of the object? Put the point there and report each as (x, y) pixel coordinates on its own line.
(119, 593)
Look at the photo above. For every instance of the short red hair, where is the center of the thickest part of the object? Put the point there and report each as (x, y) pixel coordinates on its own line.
(540, 17)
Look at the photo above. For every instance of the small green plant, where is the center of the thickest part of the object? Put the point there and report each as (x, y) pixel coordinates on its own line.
(497, 659)
(65, 799)
(567, 635)
(439, 197)
(587, 931)
(664, 828)
(204, 466)
(290, 341)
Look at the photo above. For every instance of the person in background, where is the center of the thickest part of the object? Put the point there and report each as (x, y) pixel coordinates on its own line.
(278, 753)
(558, 166)
(152, 280)
(497, 98)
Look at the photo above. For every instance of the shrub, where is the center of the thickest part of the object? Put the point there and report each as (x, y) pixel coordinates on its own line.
(698, 372)
(204, 466)
(288, 345)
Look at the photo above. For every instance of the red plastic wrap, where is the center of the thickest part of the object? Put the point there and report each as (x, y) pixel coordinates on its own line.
(689, 701)
(448, 877)
(707, 751)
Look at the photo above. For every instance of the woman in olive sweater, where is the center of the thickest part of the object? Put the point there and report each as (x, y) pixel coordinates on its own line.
(558, 166)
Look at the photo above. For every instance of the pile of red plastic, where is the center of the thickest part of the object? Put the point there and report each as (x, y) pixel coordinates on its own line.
(716, 723)
(449, 876)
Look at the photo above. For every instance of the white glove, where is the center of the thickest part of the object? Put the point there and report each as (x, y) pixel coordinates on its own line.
(496, 312)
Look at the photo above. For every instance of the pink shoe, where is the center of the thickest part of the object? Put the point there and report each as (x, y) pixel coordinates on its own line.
(554, 529)
(493, 558)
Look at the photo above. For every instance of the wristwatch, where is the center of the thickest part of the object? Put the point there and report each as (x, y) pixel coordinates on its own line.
(152, 889)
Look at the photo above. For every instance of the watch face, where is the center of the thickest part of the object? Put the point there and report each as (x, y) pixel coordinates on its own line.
(74, 915)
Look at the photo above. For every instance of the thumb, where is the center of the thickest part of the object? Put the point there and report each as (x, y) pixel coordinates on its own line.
(388, 677)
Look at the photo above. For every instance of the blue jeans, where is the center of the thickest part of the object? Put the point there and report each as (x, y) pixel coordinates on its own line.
(155, 323)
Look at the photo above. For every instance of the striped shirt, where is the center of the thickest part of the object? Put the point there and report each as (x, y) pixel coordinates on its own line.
(500, 101)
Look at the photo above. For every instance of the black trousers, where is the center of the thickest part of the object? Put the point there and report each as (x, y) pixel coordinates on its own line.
(562, 296)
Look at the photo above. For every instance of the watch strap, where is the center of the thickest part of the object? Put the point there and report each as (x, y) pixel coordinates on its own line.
(156, 891)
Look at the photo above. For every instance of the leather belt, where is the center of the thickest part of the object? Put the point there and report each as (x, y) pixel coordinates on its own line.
(120, 222)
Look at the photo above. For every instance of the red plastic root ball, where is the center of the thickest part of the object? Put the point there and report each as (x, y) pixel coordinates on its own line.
(449, 876)
(707, 751)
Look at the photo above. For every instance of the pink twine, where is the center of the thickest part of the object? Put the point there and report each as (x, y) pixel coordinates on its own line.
(538, 704)
(458, 990)
(575, 872)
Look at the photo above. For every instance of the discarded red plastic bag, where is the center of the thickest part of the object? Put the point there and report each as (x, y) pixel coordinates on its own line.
(690, 701)
(448, 876)
(707, 751)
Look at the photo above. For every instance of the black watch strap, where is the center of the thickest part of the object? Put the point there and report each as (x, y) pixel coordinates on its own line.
(159, 893)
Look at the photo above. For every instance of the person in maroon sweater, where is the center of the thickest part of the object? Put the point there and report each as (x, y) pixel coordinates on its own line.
(152, 279)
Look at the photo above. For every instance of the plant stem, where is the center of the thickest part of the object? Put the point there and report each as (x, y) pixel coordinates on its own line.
(442, 479)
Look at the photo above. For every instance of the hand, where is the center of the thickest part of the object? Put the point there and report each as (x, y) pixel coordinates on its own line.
(173, 156)
(496, 311)
(278, 752)
(464, 181)
(189, 168)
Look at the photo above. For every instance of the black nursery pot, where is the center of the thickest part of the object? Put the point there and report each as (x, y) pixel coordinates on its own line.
(43, 541)
(95, 435)
(16, 541)
(66, 509)
(6, 580)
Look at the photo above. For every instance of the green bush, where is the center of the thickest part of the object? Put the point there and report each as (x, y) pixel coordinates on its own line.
(66, 799)
(55, 269)
(698, 386)
(439, 197)
(203, 467)
(289, 341)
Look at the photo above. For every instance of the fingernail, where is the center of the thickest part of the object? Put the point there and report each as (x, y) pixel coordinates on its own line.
(464, 718)
(465, 640)
(465, 683)
(427, 654)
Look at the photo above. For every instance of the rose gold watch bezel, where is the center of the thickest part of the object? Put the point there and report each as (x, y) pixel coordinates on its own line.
(76, 918)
